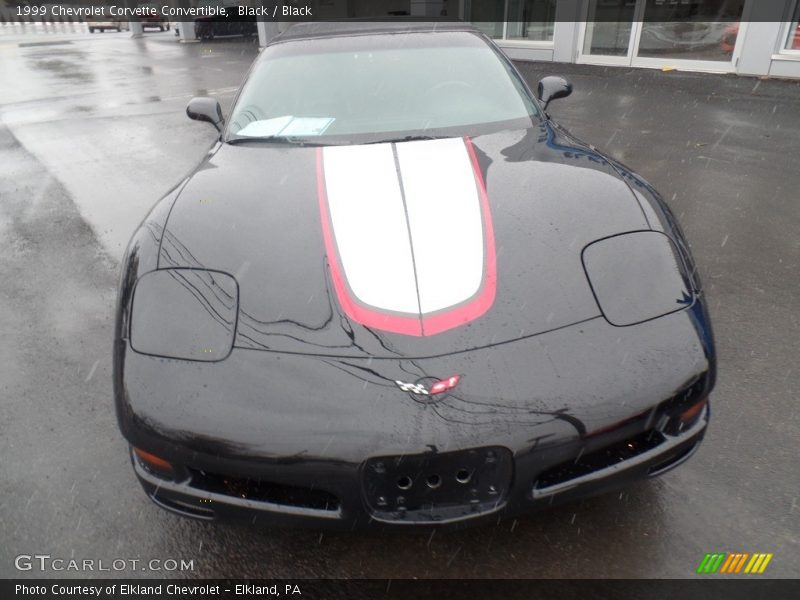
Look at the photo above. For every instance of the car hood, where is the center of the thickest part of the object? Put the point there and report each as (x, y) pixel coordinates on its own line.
(407, 250)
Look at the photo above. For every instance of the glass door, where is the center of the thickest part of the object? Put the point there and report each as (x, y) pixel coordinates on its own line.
(700, 35)
(609, 32)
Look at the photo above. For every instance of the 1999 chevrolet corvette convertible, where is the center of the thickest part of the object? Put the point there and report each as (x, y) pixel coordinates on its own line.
(396, 292)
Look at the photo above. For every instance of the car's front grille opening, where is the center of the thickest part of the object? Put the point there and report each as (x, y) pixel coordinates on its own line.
(264, 491)
(672, 461)
(183, 508)
(599, 459)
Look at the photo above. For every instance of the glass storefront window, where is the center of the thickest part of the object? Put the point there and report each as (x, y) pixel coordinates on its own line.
(531, 20)
(792, 41)
(700, 30)
(608, 27)
(527, 20)
(486, 16)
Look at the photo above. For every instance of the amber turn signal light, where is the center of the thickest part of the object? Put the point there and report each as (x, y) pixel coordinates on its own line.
(690, 415)
(157, 465)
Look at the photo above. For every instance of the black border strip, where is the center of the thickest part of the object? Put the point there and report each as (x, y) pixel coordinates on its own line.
(314, 10)
(706, 588)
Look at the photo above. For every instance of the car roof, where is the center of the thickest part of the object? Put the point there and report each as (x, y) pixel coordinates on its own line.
(357, 27)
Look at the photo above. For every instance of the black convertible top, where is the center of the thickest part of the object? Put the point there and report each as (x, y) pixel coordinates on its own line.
(352, 27)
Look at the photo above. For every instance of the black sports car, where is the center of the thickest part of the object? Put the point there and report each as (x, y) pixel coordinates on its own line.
(396, 292)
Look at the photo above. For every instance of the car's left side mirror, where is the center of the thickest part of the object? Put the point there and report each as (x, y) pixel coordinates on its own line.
(206, 109)
(551, 88)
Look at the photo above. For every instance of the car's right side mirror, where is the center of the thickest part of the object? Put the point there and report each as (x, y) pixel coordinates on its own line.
(206, 109)
(551, 88)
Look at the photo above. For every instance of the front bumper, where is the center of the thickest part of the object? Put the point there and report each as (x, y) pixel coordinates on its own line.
(286, 439)
(275, 496)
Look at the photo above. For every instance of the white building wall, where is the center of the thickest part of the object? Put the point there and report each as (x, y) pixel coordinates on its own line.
(758, 46)
(762, 51)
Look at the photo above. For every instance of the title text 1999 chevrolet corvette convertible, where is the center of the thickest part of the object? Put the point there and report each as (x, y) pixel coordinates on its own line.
(396, 292)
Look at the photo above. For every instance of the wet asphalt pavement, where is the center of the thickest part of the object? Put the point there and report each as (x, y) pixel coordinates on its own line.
(93, 132)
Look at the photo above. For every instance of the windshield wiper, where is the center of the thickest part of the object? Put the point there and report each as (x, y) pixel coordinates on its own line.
(279, 139)
(408, 138)
(274, 139)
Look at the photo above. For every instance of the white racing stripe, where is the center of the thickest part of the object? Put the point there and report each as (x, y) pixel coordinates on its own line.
(408, 252)
(369, 225)
(444, 214)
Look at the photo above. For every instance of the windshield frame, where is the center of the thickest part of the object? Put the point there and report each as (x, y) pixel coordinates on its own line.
(518, 80)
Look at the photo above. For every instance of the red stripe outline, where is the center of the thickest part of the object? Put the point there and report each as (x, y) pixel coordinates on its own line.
(419, 325)
(357, 312)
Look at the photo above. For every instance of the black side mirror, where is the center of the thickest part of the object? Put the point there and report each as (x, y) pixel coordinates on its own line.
(553, 87)
(206, 109)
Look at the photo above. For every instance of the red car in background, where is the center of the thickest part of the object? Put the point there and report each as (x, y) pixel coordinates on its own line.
(728, 41)
(154, 17)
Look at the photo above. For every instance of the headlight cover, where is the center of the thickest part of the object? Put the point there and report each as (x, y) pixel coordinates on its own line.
(636, 277)
(188, 314)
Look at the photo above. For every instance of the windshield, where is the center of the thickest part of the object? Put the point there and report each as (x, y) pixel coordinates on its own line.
(374, 87)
